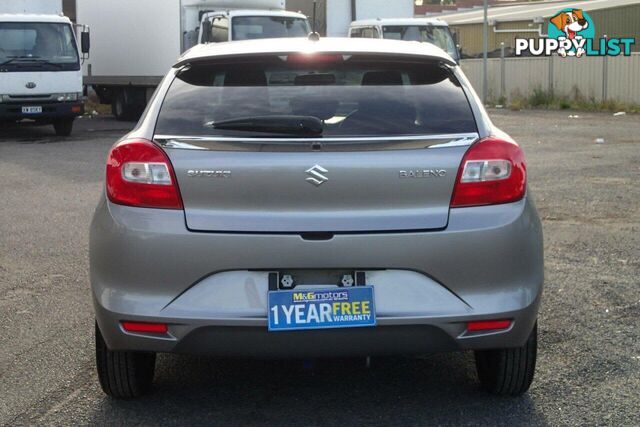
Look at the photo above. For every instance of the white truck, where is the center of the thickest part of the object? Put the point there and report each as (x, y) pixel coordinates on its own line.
(428, 30)
(40, 70)
(136, 42)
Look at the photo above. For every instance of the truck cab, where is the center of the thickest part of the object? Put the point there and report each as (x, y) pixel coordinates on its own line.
(429, 30)
(231, 25)
(40, 73)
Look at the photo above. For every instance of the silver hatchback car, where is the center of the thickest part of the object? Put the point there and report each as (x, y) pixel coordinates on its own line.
(299, 198)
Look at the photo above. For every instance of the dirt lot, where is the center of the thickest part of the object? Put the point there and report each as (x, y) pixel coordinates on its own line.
(589, 365)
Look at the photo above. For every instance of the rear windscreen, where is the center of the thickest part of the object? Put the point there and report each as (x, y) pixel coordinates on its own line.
(350, 97)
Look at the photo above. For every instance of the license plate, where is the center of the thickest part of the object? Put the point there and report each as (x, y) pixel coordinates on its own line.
(31, 110)
(321, 308)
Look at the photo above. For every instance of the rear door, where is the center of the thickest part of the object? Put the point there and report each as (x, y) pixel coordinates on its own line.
(393, 138)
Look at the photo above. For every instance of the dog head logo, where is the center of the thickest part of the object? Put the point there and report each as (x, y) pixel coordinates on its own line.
(573, 25)
(570, 23)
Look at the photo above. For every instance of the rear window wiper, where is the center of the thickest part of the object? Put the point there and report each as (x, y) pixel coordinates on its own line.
(277, 124)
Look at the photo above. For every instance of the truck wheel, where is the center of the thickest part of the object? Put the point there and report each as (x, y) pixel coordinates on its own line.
(63, 127)
(123, 110)
(123, 374)
(509, 371)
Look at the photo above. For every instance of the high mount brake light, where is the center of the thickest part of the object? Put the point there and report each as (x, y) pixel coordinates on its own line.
(493, 171)
(312, 57)
(140, 174)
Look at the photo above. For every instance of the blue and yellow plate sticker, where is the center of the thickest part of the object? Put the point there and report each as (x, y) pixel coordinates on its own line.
(321, 308)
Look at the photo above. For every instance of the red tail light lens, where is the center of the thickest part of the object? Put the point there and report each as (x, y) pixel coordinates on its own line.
(493, 171)
(145, 327)
(488, 325)
(140, 174)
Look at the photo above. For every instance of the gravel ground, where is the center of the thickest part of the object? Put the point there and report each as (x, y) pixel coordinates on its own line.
(589, 360)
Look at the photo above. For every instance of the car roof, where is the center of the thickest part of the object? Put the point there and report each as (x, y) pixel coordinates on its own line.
(332, 45)
(31, 17)
(399, 21)
(259, 12)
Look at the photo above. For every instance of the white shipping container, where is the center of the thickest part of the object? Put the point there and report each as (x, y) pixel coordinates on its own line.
(45, 7)
(138, 39)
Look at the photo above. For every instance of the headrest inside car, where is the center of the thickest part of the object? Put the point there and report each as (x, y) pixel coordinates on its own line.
(315, 80)
(245, 77)
(382, 78)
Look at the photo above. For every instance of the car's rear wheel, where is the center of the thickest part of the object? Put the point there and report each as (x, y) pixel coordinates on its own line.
(509, 371)
(123, 374)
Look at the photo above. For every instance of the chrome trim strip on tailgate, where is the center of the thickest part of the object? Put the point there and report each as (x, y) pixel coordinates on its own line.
(409, 142)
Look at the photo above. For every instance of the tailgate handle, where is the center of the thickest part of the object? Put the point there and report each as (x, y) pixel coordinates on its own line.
(316, 236)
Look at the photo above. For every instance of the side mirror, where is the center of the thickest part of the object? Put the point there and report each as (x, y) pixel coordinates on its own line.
(85, 42)
(206, 31)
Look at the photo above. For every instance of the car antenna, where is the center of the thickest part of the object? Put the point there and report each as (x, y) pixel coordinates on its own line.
(313, 35)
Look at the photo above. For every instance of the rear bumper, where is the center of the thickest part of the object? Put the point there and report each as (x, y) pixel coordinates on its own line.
(50, 111)
(211, 288)
(392, 336)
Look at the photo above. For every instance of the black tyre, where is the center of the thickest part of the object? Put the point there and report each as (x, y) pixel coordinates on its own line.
(508, 372)
(63, 127)
(123, 374)
(124, 110)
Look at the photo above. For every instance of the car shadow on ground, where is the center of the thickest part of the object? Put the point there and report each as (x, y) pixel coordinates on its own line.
(438, 389)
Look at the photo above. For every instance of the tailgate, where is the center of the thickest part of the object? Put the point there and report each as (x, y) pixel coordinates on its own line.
(248, 191)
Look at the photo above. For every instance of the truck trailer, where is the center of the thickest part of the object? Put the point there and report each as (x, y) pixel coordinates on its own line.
(135, 43)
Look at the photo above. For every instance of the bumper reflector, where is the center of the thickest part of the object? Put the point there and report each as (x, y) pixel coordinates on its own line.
(488, 325)
(154, 328)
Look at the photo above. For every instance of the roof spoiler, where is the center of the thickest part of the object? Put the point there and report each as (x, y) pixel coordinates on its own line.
(204, 59)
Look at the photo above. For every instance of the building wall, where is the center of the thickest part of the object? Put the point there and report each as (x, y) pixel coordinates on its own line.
(69, 9)
(618, 22)
(615, 22)
(470, 35)
(436, 7)
(306, 7)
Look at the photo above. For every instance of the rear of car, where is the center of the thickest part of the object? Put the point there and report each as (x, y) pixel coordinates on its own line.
(360, 178)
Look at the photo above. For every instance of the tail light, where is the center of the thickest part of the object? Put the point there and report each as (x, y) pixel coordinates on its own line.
(493, 171)
(140, 174)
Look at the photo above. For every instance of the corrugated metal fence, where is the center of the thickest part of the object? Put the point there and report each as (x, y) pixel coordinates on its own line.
(613, 78)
